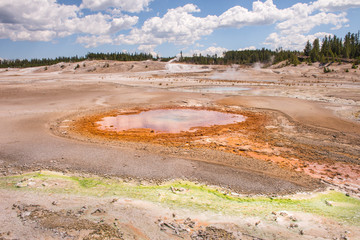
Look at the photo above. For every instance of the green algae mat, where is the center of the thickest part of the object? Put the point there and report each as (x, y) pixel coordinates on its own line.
(190, 195)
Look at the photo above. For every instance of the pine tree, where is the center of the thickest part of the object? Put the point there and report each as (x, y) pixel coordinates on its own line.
(314, 55)
(308, 48)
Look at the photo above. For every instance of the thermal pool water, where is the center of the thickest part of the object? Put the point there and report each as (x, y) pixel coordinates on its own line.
(169, 120)
(213, 89)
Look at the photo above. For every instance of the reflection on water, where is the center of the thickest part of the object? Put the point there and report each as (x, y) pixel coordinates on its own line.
(215, 89)
(169, 120)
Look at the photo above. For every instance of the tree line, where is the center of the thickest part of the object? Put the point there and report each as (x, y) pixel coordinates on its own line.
(245, 57)
(119, 56)
(37, 62)
(331, 49)
(90, 56)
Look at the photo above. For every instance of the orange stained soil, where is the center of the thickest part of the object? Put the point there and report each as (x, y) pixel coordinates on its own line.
(249, 138)
(210, 137)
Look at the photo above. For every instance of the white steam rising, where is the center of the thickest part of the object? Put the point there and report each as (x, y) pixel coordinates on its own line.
(184, 68)
(230, 73)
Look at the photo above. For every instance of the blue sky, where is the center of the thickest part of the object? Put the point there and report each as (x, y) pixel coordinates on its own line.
(50, 28)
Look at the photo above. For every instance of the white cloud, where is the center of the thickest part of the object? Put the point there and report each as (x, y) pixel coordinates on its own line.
(94, 41)
(292, 42)
(263, 13)
(335, 5)
(219, 51)
(293, 23)
(247, 48)
(176, 26)
(100, 24)
(303, 25)
(121, 5)
(37, 21)
(45, 20)
(148, 49)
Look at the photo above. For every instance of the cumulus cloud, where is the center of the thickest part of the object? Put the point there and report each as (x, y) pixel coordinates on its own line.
(180, 26)
(122, 5)
(293, 23)
(295, 41)
(177, 26)
(219, 51)
(100, 24)
(44, 20)
(335, 5)
(293, 31)
(22, 21)
(247, 48)
(263, 13)
(94, 41)
(148, 49)
(304, 25)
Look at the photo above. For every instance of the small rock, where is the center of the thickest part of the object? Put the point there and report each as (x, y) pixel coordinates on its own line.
(293, 225)
(283, 214)
(328, 203)
(54, 203)
(98, 211)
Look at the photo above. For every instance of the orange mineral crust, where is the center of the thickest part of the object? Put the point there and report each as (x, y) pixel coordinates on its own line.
(259, 135)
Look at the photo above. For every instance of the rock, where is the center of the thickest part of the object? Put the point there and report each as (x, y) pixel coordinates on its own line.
(292, 218)
(188, 222)
(98, 211)
(293, 225)
(212, 233)
(174, 190)
(283, 214)
(328, 203)
(54, 203)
